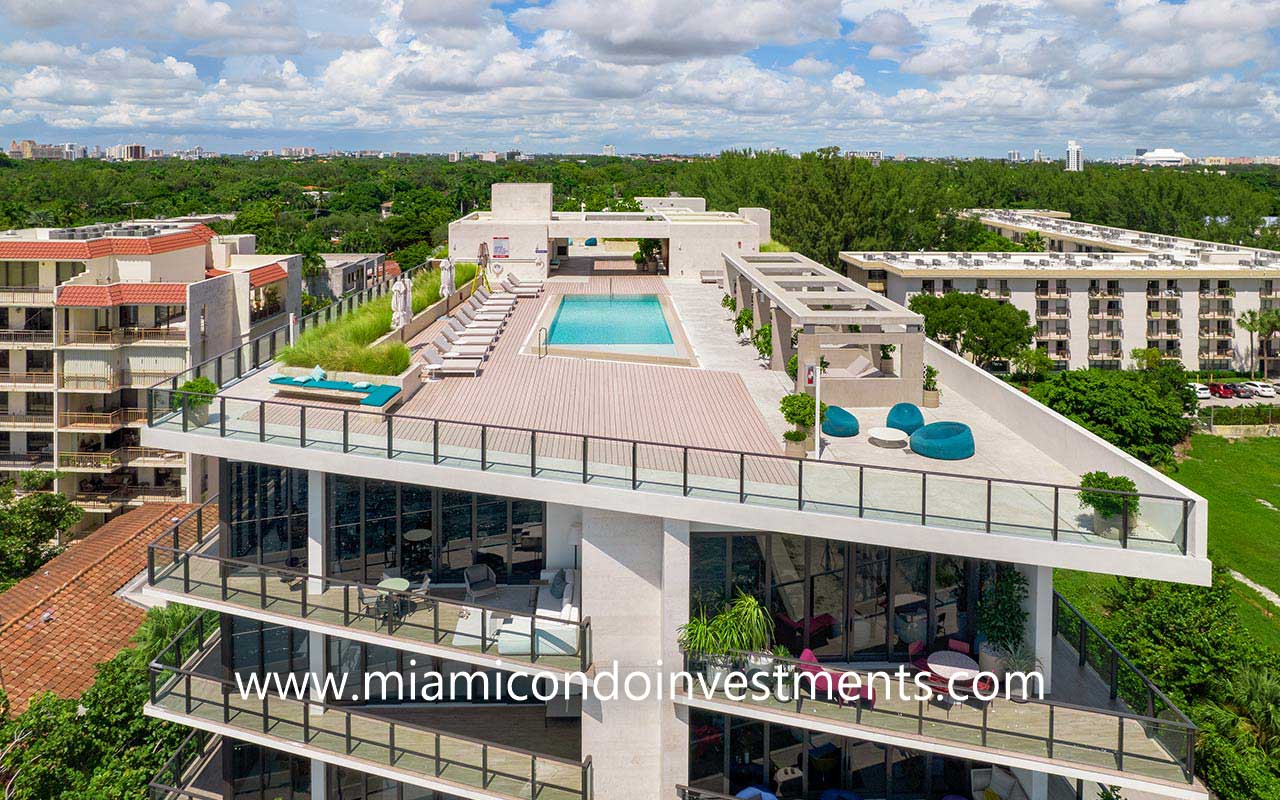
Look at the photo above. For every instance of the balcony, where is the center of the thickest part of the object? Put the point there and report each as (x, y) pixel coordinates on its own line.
(125, 379)
(37, 379)
(1106, 355)
(1164, 334)
(23, 461)
(1269, 292)
(1216, 355)
(1161, 293)
(185, 688)
(1054, 313)
(994, 294)
(1056, 334)
(181, 565)
(102, 421)
(1053, 291)
(24, 337)
(1217, 313)
(193, 773)
(1163, 314)
(82, 461)
(1171, 355)
(118, 337)
(151, 457)
(1215, 333)
(26, 296)
(1106, 313)
(1224, 291)
(1106, 293)
(1106, 333)
(26, 422)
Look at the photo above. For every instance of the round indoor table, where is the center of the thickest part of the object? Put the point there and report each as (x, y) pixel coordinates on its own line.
(394, 584)
(948, 665)
(417, 535)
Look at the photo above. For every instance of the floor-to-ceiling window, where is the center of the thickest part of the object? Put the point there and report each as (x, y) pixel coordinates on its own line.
(728, 754)
(253, 772)
(264, 508)
(379, 528)
(350, 784)
(840, 600)
(251, 647)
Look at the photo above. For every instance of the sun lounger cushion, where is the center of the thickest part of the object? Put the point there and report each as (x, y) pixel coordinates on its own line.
(375, 395)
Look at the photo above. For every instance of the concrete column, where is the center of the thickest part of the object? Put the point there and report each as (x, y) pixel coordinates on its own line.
(744, 293)
(675, 612)
(315, 664)
(318, 775)
(622, 588)
(1039, 608)
(316, 526)
(760, 311)
(782, 349)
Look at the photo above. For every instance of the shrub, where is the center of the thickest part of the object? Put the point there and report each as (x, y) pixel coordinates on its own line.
(731, 303)
(795, 435)
(798, 409)
(1103, 502)
(793, 366)
(930, 378)
(1001, 617)
(36, 480)
(743, 322)
(763, 340)
(199, 392)
(637, 257)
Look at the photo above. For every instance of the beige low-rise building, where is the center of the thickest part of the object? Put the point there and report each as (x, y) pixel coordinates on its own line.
(1098, 293)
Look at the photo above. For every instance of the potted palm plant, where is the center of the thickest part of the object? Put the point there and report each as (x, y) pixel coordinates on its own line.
(702, 638)
(1020, 658)
(748, 627)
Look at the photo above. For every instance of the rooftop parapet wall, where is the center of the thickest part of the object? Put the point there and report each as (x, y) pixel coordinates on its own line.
(521, 201)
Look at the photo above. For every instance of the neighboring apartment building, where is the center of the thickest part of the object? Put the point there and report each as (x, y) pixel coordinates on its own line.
(343, 273)
(1099, 293)
(92, 316)
(1075, 157)
(532, 240)
(597, 498)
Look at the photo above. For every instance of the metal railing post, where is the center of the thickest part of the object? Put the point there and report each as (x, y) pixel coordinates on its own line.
(1055, 513)
(346, 430)
(435, 441)
(222, 417)
(262, 420)
(685, 473)
(635, 483)
(584, 459)
(800, 484)
(390, 445)
(484, 447)
(533, 454)
(924, 497)
(742, 477)
(302, 426)
(988, 505)
(1124, 522)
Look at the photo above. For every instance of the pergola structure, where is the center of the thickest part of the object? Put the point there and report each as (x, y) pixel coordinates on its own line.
(836, 319)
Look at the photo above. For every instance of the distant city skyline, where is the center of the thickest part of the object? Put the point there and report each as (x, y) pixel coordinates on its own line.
(959, 77)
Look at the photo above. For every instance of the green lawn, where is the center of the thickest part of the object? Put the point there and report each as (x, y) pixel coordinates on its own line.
(1241, 481)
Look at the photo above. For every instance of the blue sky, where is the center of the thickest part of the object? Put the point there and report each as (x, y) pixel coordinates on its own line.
(924, 77)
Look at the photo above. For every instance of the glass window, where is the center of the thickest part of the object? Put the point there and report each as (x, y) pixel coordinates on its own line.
(706, 750)
(455, 526)
(493, 534)
(746, 754)
(787, 600)
(707, 559)
(528, 536)
(867, 605)
(748, 565)
(910, 600)
(951, 614)
(826, 588)
(866, 765)
(417, 535)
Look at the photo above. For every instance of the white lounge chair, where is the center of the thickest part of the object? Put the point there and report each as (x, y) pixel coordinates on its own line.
(521, 291)
(523, 284)
(471, 314)
(460, 327)
(437, 365)
(455, 338)
(488, 308)
(460, 351)
(495, 298)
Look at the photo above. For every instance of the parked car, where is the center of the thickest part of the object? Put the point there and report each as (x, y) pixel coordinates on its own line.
(1202, 391)
(1241, 390)
(1220, 390)
(1261, 389)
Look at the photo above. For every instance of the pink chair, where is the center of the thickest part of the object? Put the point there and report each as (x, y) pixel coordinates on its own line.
(959, 646)
(919, 660)
(826, 684)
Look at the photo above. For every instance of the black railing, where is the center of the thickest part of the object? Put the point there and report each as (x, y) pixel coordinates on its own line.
(174, 681)
(848, 489)
(177, 562)
(1022, 720)
(1124, 681)
(176, 777)
(690, 793)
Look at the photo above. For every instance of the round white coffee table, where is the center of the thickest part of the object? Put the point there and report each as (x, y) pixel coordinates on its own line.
(949, 665)
(888, 437)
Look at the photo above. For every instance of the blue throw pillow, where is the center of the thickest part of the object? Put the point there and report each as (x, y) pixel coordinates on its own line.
(317, 373)
(557, 585)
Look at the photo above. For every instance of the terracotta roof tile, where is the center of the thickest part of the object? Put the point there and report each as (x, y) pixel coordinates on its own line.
(115, 294)
(391, 268)
(271, 273)
(87, 623)
(68, 250)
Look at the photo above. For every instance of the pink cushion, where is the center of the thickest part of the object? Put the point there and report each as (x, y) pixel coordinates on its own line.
(958, 646)
(914, 649)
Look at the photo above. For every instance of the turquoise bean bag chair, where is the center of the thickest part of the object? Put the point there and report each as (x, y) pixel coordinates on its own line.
(906, 417)
(945, 441)
(839, 423)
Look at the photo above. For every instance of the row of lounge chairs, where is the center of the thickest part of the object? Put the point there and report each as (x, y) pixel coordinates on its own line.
(472, 331)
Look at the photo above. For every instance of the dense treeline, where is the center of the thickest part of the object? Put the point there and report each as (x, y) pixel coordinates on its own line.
(821, 204)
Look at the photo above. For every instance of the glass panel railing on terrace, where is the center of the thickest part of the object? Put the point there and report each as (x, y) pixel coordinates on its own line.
(179, 684)
(1146, 746)
(183, 560)
(179, 778)
(1049, 512)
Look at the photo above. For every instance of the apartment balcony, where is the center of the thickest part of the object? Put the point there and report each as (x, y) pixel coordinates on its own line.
(23, 338)
(118, 337)
(1164, 314)
(1216, 355)
(26, 296)
(994, 294)
(1214, 333)
(25, 461)
(26, 422)
(1217, 313)
(1106, 334)
(1106, 355)
(1220, 292)
(182, 565)
(1171, 355)
(151, 457)
(90, 461)
(1164, 334)
(1116, 725)
(141, 494)
(1106, 294)
(126, 379)
(186, 687)
(1053, 292)
(1269, 293)
(112, 498)
(38, 380)
(1059, 355)
(102, 421)
(1053, 335)
(1107, 314)
(1054, 314)
(1155, 294)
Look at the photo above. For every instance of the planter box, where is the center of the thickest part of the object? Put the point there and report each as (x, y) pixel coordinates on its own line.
(409, 381)
(931, 399)
(796, 449)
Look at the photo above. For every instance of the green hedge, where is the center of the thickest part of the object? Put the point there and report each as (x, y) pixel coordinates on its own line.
(344, 344)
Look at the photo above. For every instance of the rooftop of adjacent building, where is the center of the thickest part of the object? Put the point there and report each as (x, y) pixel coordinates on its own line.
(58, 624)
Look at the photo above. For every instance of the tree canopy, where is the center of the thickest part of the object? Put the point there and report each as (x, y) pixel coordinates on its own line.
(981, 327)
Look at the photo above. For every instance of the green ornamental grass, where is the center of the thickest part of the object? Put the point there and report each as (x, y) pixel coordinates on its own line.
(344, 344)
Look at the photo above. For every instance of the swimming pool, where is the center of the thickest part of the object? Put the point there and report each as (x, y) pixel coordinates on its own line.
(622, 323)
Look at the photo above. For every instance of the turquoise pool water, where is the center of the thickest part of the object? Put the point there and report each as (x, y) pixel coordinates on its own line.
(624, 323)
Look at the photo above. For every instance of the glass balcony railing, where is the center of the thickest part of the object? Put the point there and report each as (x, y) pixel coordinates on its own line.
(177, 778)
(179, 561)
(177, 685)
(1152, 747)
(1046, 511)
